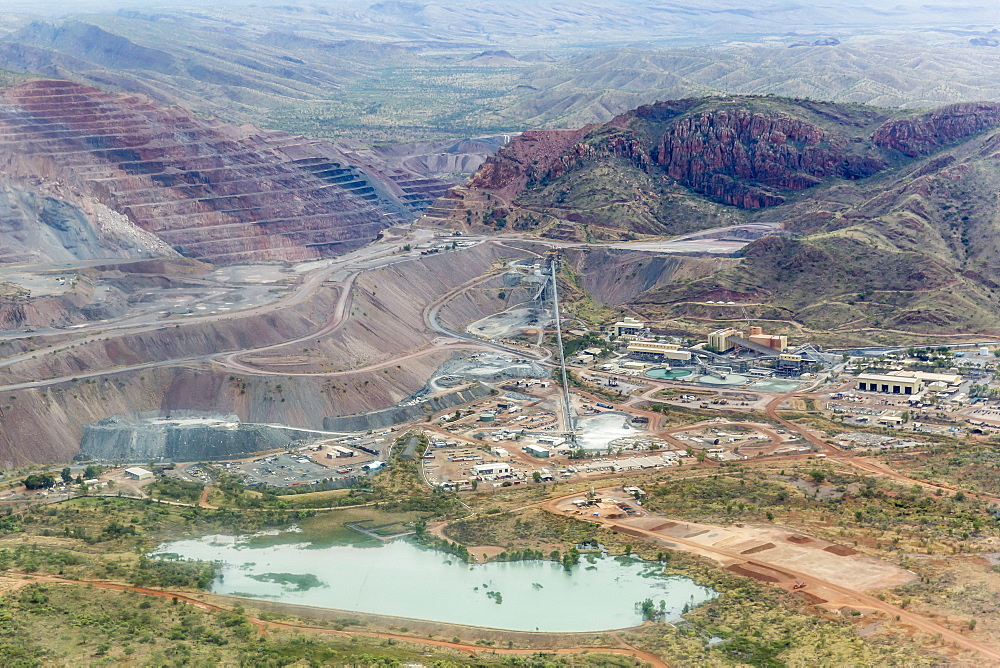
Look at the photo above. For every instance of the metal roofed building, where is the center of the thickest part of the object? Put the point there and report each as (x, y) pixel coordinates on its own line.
(655, 351)
(138, 473)
(873, 382)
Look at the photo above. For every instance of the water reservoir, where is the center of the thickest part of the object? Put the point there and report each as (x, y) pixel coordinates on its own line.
(407, 580)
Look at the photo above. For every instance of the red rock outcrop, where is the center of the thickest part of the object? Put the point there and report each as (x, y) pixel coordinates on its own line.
(528, 157)
(920, 136)
(212, 191)
(735, 156)
(745, 152)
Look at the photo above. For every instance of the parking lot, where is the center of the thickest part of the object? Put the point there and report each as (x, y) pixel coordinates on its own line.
(284, 470)
(305, 466)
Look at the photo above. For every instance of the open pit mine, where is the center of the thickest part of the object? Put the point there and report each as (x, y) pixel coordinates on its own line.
(206, 190)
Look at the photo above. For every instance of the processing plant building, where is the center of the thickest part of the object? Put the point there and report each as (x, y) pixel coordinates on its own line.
(755, 339)
(628, 327)
(873, 382)
(655, 351)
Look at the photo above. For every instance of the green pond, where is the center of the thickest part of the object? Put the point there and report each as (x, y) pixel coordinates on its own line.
(669, 374)
(403, 579)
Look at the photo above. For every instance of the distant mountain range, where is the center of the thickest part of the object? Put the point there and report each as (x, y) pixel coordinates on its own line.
(594, 87)
(404, 71)
(892, 214)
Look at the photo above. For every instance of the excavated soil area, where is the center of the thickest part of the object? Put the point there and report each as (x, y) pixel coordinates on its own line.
(385, 323)
(756, 573)
(776, 548)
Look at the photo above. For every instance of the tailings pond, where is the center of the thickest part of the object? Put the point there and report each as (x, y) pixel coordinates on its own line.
(403, 579)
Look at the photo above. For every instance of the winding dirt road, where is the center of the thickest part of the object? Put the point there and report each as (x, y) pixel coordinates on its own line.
(771, 410)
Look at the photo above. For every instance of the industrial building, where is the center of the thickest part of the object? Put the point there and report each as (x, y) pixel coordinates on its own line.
(873, 382)
(946, 378)
(755, 339)
(789, 365)
(339, 451)
(137, 473)
(537, 451)
(499, 469)
(629, 327)
(654, 351)
(773, 341)
(719, 339)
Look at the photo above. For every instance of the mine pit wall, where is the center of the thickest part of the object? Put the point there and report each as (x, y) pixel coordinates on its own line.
(46, 425)
(388, 308)
(19, 312)
(481, 301)
(388, 320)
(394, 415)
(616, 276)
(181, 341)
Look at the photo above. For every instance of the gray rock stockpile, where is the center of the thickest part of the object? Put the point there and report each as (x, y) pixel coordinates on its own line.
(152, 437)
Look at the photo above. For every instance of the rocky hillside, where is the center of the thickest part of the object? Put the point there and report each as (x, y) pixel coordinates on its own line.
(593, 87)
(890, 213)
(746, 152)
(210, 191)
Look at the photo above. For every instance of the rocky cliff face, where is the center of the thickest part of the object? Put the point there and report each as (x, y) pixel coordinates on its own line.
(736, 156)
(750, 153)
(211, 191)
(920, 136)
(527, 158)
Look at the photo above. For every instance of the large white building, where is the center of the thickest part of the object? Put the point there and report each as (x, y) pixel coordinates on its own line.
(499, 469)
(873, 382)
(946, 378)
(655, 351)
(627, 327)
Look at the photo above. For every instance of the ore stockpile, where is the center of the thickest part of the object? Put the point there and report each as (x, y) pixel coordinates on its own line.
(184, 437)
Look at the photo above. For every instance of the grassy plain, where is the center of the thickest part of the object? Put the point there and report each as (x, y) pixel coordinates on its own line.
(416, 102)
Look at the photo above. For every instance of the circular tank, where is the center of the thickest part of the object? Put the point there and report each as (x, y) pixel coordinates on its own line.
(729, 380)
(669, 374)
